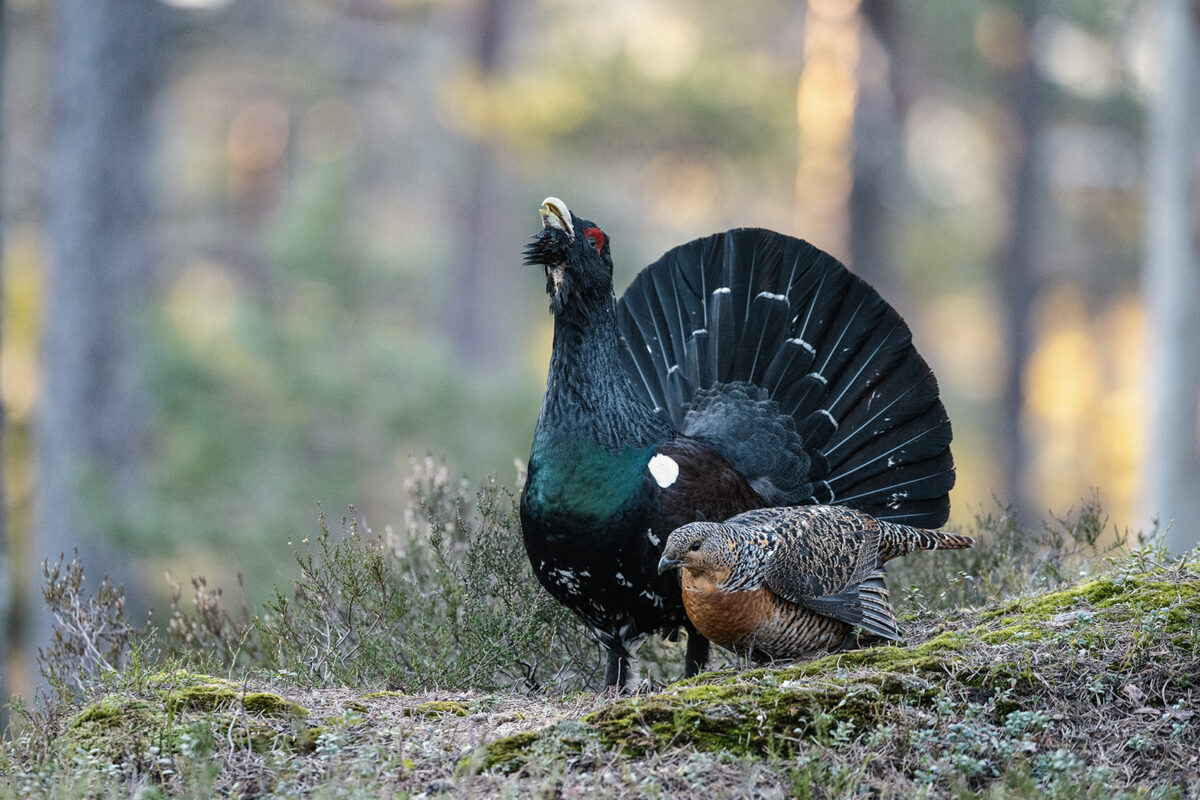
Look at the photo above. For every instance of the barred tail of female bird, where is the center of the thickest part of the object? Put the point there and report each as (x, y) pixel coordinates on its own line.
(897, 540)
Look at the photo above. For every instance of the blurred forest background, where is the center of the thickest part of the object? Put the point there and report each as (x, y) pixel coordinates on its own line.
(260, 254)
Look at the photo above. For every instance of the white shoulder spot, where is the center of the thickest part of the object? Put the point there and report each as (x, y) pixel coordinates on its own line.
(664, 469)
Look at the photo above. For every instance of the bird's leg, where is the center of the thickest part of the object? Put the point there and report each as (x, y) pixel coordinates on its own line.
(697, 653)
(616, 672)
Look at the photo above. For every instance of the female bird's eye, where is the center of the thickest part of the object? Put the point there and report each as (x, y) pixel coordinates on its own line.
(695, 545)
(595, 237)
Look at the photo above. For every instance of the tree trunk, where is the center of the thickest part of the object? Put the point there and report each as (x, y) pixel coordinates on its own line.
(481, 324)
(879, 153)
(6, 585)
(91, 428)
(1019, 280)
(1171, 491)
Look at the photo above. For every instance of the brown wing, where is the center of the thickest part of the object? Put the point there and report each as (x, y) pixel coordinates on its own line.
(822, 557)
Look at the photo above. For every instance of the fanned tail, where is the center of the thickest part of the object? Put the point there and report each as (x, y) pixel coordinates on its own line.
(839, 383)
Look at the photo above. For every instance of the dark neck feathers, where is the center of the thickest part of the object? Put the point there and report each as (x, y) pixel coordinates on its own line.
(588, 394)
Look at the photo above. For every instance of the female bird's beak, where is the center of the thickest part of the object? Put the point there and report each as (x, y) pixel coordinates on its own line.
(666, 562)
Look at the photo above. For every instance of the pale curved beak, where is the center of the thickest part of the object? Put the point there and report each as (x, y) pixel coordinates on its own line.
(555, 214)
(665, 563)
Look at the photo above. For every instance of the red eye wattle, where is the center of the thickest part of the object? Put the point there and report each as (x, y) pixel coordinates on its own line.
(595, 237)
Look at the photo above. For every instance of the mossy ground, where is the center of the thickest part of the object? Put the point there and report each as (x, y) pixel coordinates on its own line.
(1090, 691)
(1145, 623)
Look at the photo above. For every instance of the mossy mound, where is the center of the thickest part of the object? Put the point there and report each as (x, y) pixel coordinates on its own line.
(1107, 648)
(172, 712)
(116, 729)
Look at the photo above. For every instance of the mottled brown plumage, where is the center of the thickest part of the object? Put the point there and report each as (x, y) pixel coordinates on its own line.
(782, 583)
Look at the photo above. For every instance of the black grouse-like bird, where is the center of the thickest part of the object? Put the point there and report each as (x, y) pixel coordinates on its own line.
(742, 370)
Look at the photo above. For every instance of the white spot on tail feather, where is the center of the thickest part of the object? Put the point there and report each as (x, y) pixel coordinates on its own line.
(804, 344)
(722, 290)
(664, 469)
(771, 296)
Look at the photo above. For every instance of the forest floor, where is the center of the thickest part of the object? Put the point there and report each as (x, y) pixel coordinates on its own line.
(1087, 691)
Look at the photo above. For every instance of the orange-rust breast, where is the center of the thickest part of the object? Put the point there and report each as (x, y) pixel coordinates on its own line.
(756, 621)
(722, 616)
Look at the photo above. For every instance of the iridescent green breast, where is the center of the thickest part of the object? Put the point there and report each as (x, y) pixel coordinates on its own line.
(582, 480)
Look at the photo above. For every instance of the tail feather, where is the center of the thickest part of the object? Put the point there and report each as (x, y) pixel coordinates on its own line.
(897, 540)
(724, 328)
(878, 618)
(756, 307)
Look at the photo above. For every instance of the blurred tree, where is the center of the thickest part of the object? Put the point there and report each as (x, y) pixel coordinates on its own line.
(477, 304)
(6, 597)
(1018, 278)
(1171, 282)
(826, 114)
(91, 429)
(883, 100)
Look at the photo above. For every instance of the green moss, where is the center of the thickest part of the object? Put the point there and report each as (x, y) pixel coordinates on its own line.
(513, 752)
(190, 691)
(107, 710)
(253, 734)
(124, 728)
(510, 753)
(119, 729)
(200, 698)
(750, 715)
(270, 704)
(1015, 631)
(1141, 593)
(305, 740)
(1180, 601)
(182, 678)
(387, 695)
(438, 708)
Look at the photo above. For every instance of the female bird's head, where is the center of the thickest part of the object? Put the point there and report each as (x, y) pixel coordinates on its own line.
(700, 547)
(576, 256)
